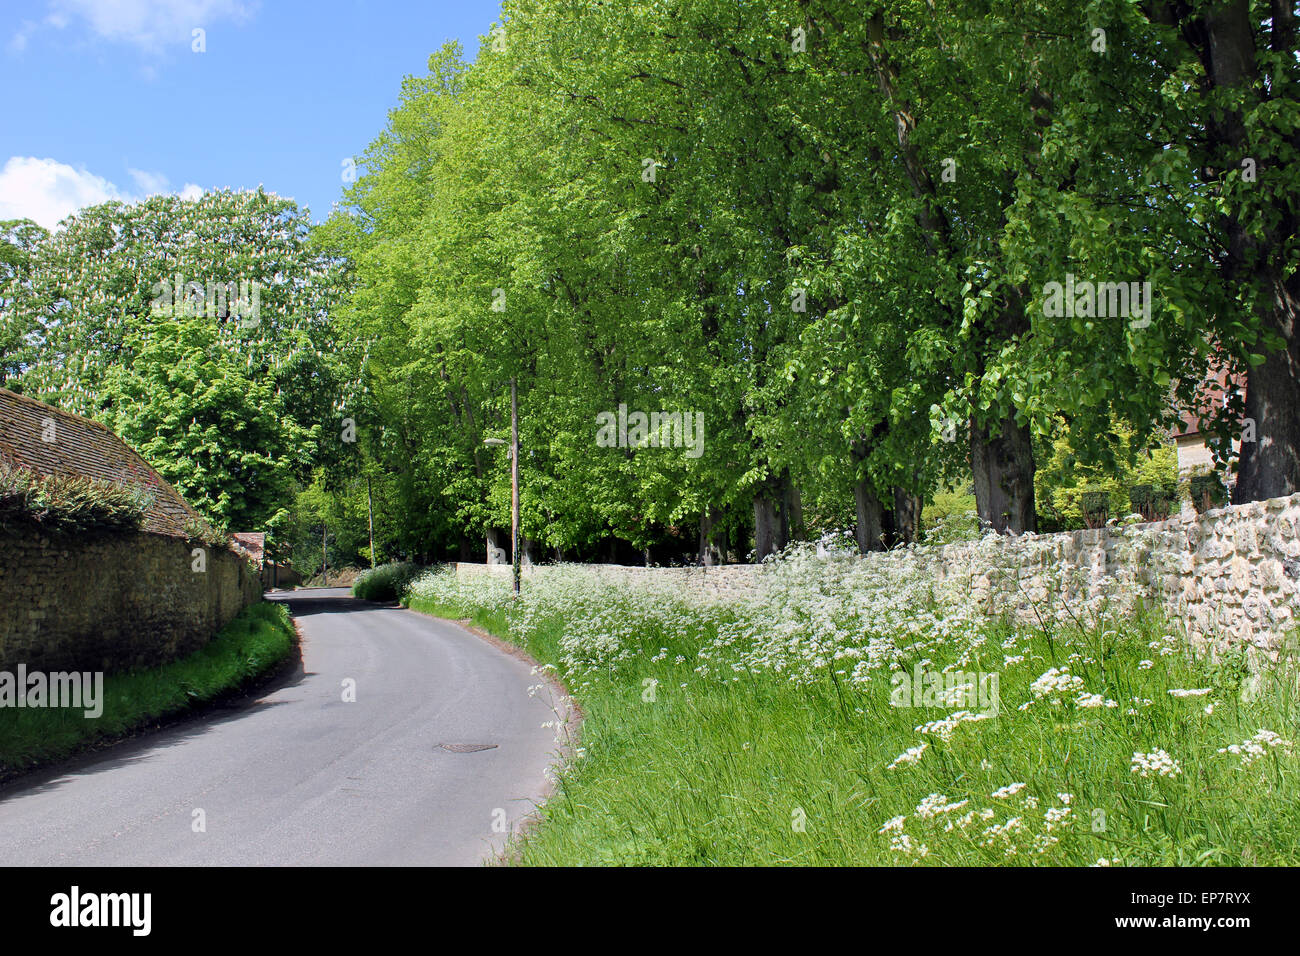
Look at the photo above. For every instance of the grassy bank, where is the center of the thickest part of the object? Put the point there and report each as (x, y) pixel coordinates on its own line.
(247, 648)
(764, 732)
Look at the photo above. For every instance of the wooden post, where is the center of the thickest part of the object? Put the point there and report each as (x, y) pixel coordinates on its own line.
(514, 481)
(370, 507)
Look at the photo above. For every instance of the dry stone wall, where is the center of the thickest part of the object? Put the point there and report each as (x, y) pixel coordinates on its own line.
(113, 602)
(1230, 576)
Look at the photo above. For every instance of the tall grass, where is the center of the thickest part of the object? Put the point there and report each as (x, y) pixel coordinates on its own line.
(762, 731)
(258, 639)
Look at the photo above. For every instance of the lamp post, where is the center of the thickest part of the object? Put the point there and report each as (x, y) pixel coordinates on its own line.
(514, 481)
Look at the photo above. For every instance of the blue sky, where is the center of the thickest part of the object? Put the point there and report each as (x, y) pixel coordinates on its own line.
(108, 99)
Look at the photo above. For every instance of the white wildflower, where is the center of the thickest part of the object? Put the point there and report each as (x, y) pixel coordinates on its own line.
(1157, 762)
(1257, 746)
(1010, 790)
(909, 756)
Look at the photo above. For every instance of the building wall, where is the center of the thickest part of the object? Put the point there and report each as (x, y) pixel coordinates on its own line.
(1192, 453)
(113, 602)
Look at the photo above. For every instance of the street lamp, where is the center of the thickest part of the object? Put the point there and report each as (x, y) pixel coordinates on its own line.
(514, 480)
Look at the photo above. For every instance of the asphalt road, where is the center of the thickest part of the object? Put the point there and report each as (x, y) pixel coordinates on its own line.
(299, 776)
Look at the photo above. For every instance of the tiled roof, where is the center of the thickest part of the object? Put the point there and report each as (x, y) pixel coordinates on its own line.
(86, 449)
(253, 543)
(1211, 395)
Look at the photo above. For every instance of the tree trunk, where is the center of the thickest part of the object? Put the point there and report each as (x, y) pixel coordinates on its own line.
(1223, 37)
(496, 550)
(907, 516)
(712, 550)
(1270, 466)
(1004, 476)
(772, 515)
(794, 506)
(767, 526)
(871, 518)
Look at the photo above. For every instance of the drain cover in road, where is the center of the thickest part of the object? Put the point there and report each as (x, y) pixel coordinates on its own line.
(467, 748)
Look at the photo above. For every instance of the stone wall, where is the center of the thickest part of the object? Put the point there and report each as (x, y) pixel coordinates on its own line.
(113, 602)
(1230, 576)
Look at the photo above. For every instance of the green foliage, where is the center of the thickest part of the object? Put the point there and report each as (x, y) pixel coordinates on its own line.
(185, 405)
(951, 517)
(837, 253)
(1120, 466)
(387, 582)
(338, 512)
(800, 267)
(18, 237)
(1207, 491)
(203, 533)
(226, 391)
(68, 504)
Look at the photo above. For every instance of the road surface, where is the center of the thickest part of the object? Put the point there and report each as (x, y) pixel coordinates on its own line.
(298, 775)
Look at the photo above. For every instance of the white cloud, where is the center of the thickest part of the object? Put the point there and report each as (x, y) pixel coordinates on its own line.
(152, 25)
(148, 183)
(154, 184)
(46, 190)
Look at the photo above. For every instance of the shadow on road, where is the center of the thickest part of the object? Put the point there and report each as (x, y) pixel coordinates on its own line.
(326, 601)
(160, 734)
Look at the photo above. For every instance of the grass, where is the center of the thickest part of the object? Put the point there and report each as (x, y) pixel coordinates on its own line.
(744, 733)
(249, 647)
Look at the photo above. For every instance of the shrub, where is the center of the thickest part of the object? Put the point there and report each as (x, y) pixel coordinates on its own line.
(1207, 491)
(1152, 502)
(951, 517)
(1063, 477)
(387, 582)
(64, 503)
(334, 578)
(200, 532)
(1095, 505)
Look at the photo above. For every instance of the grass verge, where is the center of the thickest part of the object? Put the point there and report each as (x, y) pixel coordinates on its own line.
(731, 734)
(248, 648)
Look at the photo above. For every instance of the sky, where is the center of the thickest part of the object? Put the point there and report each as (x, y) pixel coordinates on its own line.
(113, 99)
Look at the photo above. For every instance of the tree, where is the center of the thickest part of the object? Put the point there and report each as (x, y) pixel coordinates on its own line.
(200, 330)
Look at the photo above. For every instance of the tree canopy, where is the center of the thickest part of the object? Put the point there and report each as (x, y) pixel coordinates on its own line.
(874, 251)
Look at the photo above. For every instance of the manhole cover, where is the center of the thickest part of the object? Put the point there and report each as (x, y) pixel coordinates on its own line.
(467, 748)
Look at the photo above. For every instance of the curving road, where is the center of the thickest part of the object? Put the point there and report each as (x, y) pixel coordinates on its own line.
(299, 776)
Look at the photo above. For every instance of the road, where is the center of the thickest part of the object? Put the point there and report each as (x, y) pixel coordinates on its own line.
(299, 776)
